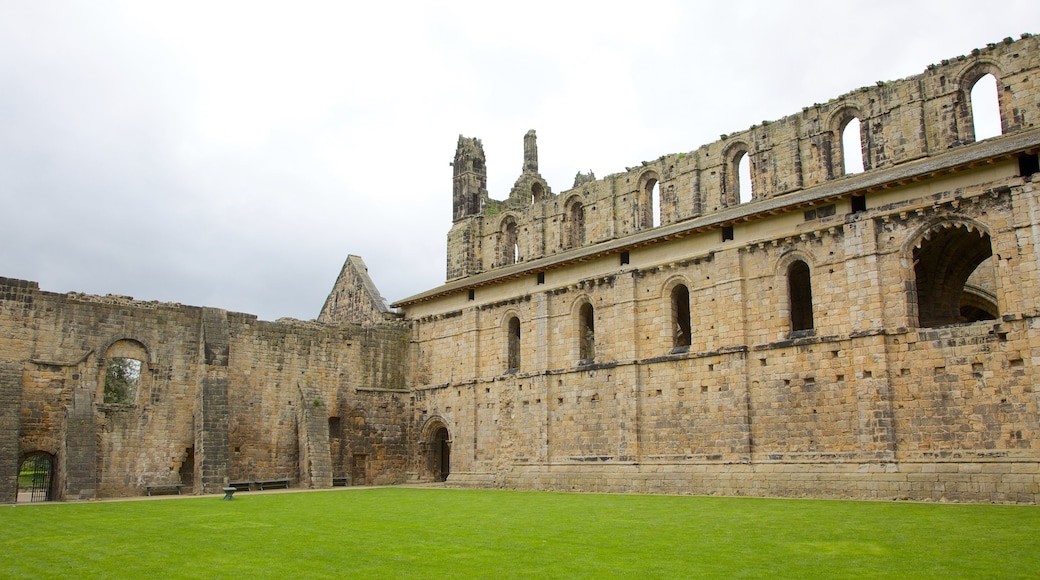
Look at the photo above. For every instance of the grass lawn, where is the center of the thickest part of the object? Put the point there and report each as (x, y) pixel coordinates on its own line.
(442, 533)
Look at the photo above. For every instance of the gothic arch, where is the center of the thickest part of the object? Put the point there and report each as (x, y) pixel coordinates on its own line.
(435, 447)
(943, 255)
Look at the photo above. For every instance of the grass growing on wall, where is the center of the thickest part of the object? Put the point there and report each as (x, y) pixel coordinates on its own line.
(444, 533)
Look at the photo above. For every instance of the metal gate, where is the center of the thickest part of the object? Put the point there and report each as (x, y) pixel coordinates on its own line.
(34, 479)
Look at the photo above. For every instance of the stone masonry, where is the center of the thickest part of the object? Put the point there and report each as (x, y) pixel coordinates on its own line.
(665, 329)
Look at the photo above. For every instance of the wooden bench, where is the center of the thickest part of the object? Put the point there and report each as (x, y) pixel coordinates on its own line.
(273, 484)
(163, 488)
(340, 481)
(241, 485)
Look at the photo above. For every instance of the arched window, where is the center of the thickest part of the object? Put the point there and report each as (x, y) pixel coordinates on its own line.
(121, 372)
(510, 248)
(852, 147)
(121, 378)
(745, 191)
(985, 108)
(648, 201)
(681, 334)
(586, 333)
(953, 276)
(537, 192)
(513, 348)
(799, 287)
(575, 233)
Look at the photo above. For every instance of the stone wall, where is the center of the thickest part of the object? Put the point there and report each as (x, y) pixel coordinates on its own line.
(832, 344)
(222, 396)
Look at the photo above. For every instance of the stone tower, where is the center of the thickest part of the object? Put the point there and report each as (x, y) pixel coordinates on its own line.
(470, 179)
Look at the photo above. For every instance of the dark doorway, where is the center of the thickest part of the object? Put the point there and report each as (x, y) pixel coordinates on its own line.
(34, 478)
(442, 453)
(187, 469)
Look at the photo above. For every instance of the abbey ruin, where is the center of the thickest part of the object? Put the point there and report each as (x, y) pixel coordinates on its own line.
(671, 328)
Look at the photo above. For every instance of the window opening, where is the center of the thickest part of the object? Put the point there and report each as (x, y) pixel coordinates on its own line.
(625, 258)
(800, 294)
(541, 277)
(852, 147)
(1028, 164)
(121, 378)
(472, 294)
(513, 354)
(985, 108)
(587, 332)
(955, 280)
(576, 217)
(681, 316)
(655, 204)
(859, 203)
(536, 193)
(745, 191)
(727, 233)
(510, 245)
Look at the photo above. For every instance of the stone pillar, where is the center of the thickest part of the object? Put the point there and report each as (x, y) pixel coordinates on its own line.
(80, 461)
(10, 408)
(211, 416)
(530, 152)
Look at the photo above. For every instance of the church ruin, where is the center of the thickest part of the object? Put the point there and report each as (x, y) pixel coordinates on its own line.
(678, 327)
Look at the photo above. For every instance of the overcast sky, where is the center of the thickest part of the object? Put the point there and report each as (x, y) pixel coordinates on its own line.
(231, 154)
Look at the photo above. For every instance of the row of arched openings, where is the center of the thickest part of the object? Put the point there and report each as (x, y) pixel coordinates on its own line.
(954, 282)
(984, 107)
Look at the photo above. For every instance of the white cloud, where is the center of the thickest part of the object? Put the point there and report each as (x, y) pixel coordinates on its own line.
(232, 154)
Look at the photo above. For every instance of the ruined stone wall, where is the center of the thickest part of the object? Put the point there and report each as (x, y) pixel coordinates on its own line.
(869, 336)
(354, 298)
(901, 121)
(864, 405)
(222, 396)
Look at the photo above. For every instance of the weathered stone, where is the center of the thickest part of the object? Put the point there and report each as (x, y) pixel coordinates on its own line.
(863, 336)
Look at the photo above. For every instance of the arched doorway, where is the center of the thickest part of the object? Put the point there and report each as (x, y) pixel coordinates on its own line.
(35, 477)
(442, 454)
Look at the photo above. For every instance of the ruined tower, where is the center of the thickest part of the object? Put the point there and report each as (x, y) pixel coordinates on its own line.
(470, 179)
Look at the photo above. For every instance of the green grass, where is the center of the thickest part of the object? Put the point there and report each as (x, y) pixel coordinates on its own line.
(444, 533)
